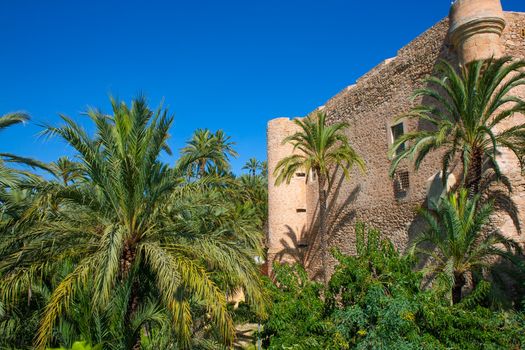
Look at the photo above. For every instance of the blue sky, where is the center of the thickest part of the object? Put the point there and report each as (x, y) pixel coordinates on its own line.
(227, 64)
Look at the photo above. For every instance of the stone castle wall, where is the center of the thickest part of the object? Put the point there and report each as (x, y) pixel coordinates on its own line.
(370, 106)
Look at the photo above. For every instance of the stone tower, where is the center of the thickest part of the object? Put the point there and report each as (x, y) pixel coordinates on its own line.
(475, 29)
(287, 218)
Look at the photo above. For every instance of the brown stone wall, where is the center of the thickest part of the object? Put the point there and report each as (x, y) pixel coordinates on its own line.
(370, 106)
(513, 40)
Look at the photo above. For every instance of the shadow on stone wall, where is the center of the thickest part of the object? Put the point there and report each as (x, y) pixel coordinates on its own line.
(293, 248)
(499, 190)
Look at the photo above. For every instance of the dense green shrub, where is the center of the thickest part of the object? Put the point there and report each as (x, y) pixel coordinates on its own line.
(297, 317)
(375, 301)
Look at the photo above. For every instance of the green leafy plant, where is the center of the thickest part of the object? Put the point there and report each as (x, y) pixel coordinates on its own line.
(374, 300)
(468, 116)
(460, 243)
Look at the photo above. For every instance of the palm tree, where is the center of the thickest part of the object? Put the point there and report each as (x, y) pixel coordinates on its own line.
(224, 146)
(469, 114)
(254, 189)
(264, 168)
(252, 165)
(133, 229)
(460, 243)
(320, 149)
(207, 152)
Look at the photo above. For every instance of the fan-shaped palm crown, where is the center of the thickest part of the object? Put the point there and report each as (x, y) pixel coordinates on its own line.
(319, 148)
(207, 152)
(469, 115)
(458, 242)
(252, 165)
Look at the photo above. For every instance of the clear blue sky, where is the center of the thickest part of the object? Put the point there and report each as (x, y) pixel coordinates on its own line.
(217, 64)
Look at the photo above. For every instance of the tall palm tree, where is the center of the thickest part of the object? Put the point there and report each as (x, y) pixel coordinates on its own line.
(207, 152)
(320, 148)
(468, 112)
(130, 229)
(252, 165)
(458, 242)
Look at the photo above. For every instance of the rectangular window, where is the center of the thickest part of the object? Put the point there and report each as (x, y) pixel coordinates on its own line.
(397, 131)
(523, 32)
(401, 184)
(300, 174)
(301, 210)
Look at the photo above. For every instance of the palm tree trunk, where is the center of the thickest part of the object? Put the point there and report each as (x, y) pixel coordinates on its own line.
(474, 172)
(459, 282)
(126, 263)
(202, 167)
(133, 304)
(322, 232)
(126, 260)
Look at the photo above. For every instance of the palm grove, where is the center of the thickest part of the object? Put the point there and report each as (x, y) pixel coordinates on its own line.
(122, 251)
(117, 245)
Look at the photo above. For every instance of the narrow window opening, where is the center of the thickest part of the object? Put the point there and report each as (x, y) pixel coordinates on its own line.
(300, 174)
(523, 32)
(401, 184)
(301, 210)
(396, 132)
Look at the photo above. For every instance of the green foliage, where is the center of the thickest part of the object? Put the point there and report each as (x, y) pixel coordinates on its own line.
(206, 153)
(148, 249)
(374, 300)
(297, 319)
(459, 244)
(322, 147)
(80, 346)
(253, 166)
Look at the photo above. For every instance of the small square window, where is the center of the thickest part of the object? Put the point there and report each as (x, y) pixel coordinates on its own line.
(401, 184)
(397, 131)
